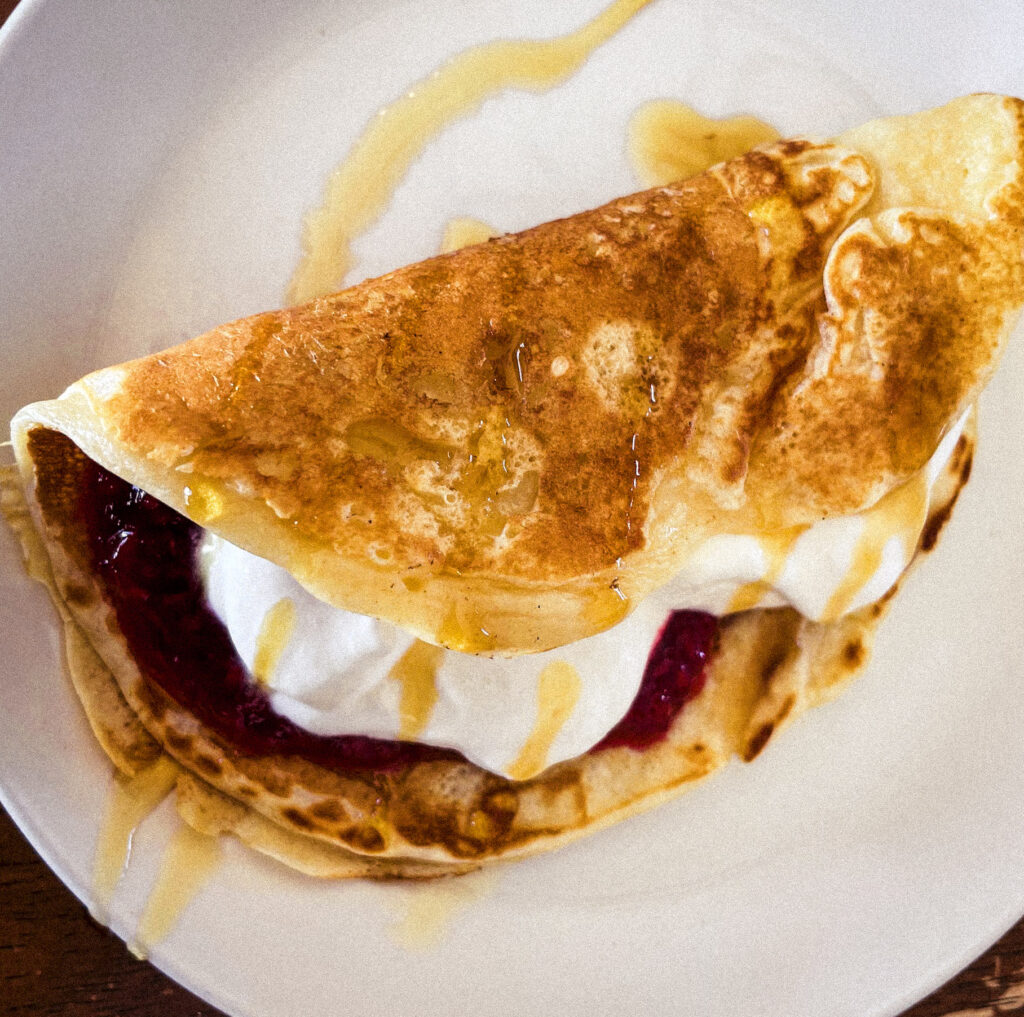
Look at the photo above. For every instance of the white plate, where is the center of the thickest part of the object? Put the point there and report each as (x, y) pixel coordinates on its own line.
(155, 163)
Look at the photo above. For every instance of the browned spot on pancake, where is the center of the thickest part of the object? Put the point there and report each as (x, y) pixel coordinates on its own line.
(433, 803)
(495, 816)
(298, 818)
(177, 742)
(276, 783)
(938, 519)
(76, 595)
(771, 666)
(854, 653)
(760, 739)
(328, 809)
(758, 742)
(500, 807)
(961, 457)
(151, 697)
(364, 839)
(936, 522)
(210, 766)
(965, 467)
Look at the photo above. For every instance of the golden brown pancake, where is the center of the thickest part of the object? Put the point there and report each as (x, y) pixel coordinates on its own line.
(504, 448)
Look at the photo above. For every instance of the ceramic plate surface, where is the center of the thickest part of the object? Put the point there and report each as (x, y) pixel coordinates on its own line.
(156, 161)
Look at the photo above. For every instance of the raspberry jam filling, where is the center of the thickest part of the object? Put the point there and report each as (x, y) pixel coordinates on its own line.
(675, 673)
(144, 554)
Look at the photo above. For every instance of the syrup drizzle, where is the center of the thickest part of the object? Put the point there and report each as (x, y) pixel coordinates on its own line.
(274, 635)
(188, 860)
(360, 188)
(188, 863)
(416, 671)
(558, 691)
(901, 513)
(131, 801)
(464, 232)
(606, 606)
(776, 547)
(670, 141)
(462, 630)
(393, 445)
(428, 908)
(203, 501)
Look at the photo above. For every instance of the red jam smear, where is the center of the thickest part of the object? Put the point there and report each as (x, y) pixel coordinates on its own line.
(675, 673)
(145, 556)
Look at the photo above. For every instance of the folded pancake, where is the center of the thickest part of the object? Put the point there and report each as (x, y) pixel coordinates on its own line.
(506, 449)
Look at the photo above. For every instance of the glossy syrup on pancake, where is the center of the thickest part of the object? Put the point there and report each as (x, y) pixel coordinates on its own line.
(144, 553)
(479, 461)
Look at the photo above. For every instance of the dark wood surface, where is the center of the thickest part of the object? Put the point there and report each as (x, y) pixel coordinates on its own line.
(55, 961)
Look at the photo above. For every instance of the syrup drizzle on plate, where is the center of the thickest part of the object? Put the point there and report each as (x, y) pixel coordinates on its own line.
(670, 141)
(360, 188)
(131, 801)
(464, 232)
(188, 862)
(427, 909)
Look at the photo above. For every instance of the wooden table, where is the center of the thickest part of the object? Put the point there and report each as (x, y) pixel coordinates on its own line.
(56, 962)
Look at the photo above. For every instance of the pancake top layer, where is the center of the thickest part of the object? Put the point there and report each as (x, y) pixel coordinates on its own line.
(503, 447)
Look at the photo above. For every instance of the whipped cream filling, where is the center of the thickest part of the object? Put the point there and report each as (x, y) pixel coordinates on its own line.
(334, 672)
